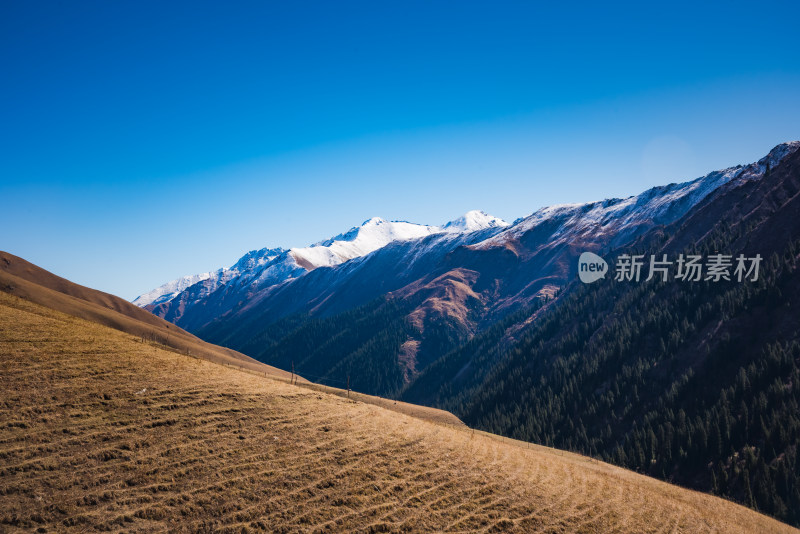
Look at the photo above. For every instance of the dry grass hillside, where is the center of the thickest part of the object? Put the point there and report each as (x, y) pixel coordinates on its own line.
(24, 279)
(102, 432)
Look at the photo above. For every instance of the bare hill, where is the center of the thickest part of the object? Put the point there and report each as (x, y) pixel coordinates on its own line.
(24, 279)
(100, 431)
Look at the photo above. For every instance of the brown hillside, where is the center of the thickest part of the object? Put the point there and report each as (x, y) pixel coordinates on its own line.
(99, 431)
(24, 279)
(32, 273)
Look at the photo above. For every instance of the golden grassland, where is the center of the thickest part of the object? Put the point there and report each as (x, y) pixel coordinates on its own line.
(26, 280)
(101, 432)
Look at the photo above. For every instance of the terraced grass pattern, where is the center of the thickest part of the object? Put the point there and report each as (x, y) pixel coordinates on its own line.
(100, 431)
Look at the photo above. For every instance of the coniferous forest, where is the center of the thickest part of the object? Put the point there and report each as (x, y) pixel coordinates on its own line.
(691, 382)
(696, 384)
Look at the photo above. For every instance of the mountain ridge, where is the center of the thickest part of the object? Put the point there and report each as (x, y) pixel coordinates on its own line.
(609, 222)
(372, 234)
(286, 265)
(450, 285)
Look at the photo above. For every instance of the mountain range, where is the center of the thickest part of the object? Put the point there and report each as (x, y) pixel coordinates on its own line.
(451, 282)
(262, 269)
(487, 319)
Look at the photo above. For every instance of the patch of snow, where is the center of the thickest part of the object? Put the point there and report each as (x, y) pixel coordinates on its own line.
(169, 290)
(373, 234)
(474, 220)
(625, 218)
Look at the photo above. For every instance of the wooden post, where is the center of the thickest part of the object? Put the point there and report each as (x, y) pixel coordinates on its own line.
(348, 386)
(291, 380)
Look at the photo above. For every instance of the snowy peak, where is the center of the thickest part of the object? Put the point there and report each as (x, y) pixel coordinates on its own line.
(269, 266)
(377, 229)
(623, 219)
(170, 289)
(780, 152)
(473, 221)
(376, 233)
(771, 160)
(373, 234)
(256, 258)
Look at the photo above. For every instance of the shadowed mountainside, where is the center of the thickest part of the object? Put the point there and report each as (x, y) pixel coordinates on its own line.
(693, 382)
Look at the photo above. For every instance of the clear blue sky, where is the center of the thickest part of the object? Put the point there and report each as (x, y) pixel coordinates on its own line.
(141, 141)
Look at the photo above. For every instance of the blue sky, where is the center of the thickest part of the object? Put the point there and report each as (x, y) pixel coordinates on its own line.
(142, 141)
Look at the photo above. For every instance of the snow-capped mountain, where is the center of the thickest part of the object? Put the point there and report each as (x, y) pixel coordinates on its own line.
(470, 280)
(261, 269)
(620, 219)
(623, 219)
(373, 234)
(468, 273)
(212, 279)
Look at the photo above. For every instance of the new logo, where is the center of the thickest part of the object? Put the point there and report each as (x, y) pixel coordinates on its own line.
(591, 267)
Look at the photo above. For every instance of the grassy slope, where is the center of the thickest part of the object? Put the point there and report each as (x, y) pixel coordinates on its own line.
(23, 279)
(101, 431)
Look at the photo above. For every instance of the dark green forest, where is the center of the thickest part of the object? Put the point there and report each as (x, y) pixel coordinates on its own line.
(361, 344)
(696, 383)
(359, 347)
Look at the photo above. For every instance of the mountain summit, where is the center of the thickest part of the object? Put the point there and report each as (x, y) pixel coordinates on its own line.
(373, 234)
(473, 221)
(259, 270)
